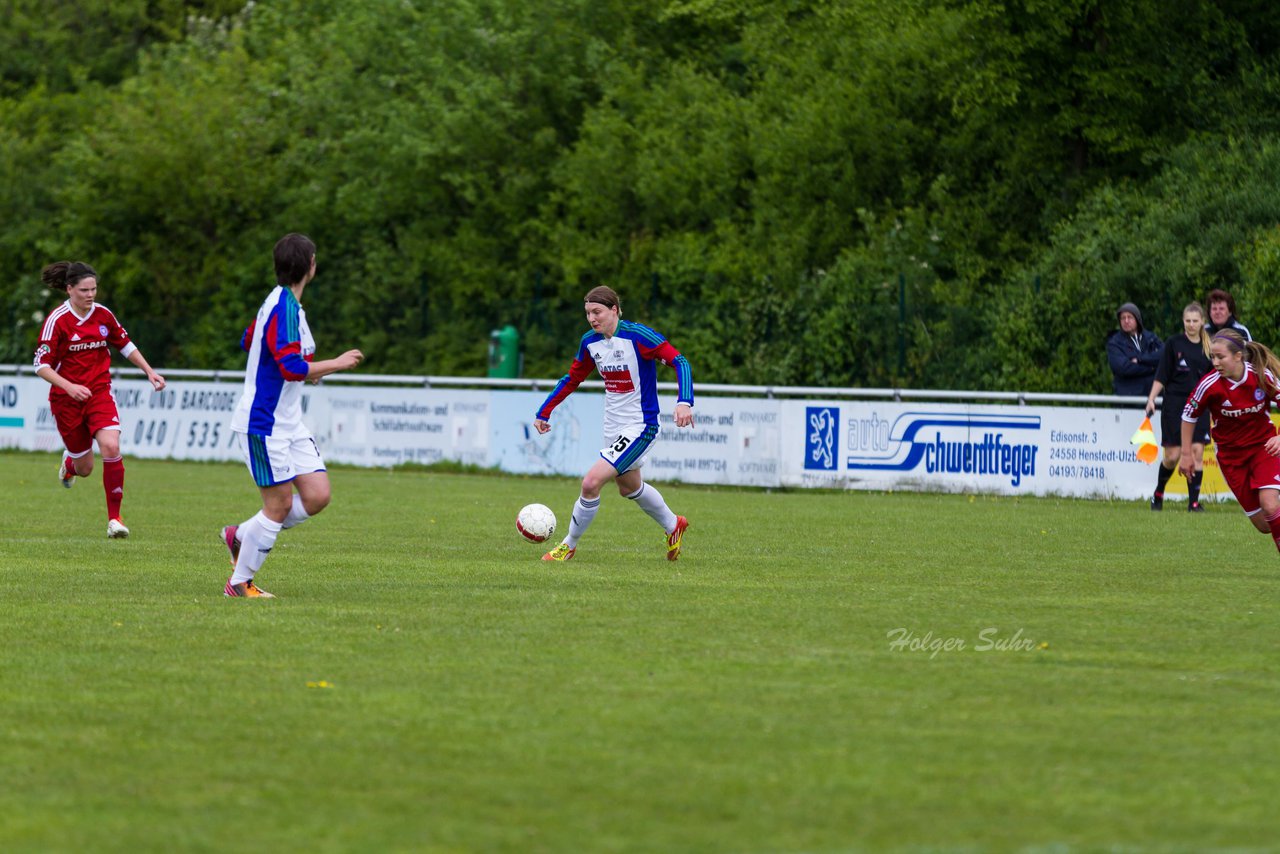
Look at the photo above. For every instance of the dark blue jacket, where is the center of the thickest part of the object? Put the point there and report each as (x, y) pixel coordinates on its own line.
(1133, 358)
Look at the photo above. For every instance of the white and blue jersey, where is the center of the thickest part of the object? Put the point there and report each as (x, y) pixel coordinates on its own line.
(627, 364)
(280, 345)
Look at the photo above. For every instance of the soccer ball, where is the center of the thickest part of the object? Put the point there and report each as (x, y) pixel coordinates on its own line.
(536, 522)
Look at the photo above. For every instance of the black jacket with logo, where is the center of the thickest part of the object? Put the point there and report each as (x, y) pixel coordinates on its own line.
(1182, 365)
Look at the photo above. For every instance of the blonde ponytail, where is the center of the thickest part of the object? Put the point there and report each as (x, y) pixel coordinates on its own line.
(1265, 363)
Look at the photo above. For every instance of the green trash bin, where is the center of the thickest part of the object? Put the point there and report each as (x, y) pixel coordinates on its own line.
(504, 352)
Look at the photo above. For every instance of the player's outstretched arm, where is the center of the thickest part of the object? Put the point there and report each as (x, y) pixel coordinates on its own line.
(345, 362)
(578, 371)
(157, 381)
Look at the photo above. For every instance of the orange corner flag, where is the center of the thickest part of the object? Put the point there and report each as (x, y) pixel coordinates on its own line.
(1145, 439)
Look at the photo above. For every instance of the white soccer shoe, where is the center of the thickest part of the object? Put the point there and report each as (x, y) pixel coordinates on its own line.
(116, 529)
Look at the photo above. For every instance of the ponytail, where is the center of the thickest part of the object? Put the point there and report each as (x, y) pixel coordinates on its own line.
(1265, 363)
(61, 275)
(1262, 360)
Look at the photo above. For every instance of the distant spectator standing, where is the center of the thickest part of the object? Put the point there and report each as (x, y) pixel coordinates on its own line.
(1184, 362)
(1133, 353)
(1222, 314)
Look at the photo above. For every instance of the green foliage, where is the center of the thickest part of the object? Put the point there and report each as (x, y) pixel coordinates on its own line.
(1160, 245)
(838, 192)
(61, 45)
(1259, 300)
(31, 129)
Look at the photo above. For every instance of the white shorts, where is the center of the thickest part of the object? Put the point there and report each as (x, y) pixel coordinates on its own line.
(630, 447)
(272, 460)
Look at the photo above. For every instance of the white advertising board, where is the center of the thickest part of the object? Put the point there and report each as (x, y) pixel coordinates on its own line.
(1011, 450)
(389, 426)
(186, 421)
(732, 441)
(571, 446)
(19, 402)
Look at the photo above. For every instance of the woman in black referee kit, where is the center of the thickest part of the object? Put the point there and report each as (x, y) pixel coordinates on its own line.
(1183, 364)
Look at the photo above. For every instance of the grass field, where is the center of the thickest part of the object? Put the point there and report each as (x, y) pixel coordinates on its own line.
(425, 683)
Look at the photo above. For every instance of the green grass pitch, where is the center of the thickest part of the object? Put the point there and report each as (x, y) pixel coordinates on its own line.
(425, 683)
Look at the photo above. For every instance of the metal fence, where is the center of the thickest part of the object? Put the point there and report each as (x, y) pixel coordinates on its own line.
(766, 391)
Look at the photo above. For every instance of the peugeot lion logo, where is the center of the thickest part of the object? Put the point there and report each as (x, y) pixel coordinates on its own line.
(821, 442)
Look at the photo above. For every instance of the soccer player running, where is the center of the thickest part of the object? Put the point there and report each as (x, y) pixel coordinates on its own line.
(72, 356)
(278, 448)
(1238, 393)
(624, 353)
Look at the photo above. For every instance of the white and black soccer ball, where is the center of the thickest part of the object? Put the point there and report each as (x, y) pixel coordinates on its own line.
(536, 523)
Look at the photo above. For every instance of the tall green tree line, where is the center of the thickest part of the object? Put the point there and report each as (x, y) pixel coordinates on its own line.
(850, 192)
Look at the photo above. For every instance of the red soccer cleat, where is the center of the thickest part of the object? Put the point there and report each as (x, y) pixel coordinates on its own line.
(676, 537)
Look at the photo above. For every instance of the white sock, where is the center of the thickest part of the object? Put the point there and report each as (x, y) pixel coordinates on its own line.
(584, 510)
(257, 537)
(297, 513)
(652, 502)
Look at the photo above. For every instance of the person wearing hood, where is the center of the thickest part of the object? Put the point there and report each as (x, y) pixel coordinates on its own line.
(1133, 352)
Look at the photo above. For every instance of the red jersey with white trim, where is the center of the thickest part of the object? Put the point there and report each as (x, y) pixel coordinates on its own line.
(76, 347)
(1240, 409)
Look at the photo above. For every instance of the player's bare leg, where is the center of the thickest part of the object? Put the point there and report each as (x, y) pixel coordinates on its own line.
(68, 469)
(1269, 515)
(584, 509)
(313, 495)
(82, 464)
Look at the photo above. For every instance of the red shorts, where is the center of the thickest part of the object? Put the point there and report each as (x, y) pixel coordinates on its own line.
(1246, 471)
(79, 422)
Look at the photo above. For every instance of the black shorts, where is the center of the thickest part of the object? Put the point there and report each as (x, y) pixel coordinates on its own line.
(1171, 423)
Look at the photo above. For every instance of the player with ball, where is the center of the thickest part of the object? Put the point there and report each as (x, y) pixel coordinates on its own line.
(625, 354)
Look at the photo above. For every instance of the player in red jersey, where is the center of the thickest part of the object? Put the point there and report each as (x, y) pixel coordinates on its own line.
(72, 356)
(1239, 394)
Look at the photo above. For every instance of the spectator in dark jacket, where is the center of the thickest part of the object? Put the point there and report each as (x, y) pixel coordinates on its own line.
(1133, 352)
(1222, 314)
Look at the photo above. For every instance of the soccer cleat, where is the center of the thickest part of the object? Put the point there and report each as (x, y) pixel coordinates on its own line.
(1157, 503)
(561, 552)
(66, 474)
(1194, 507)
(675, 538)
(233, 545)
(116, 529)
(246, 590)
